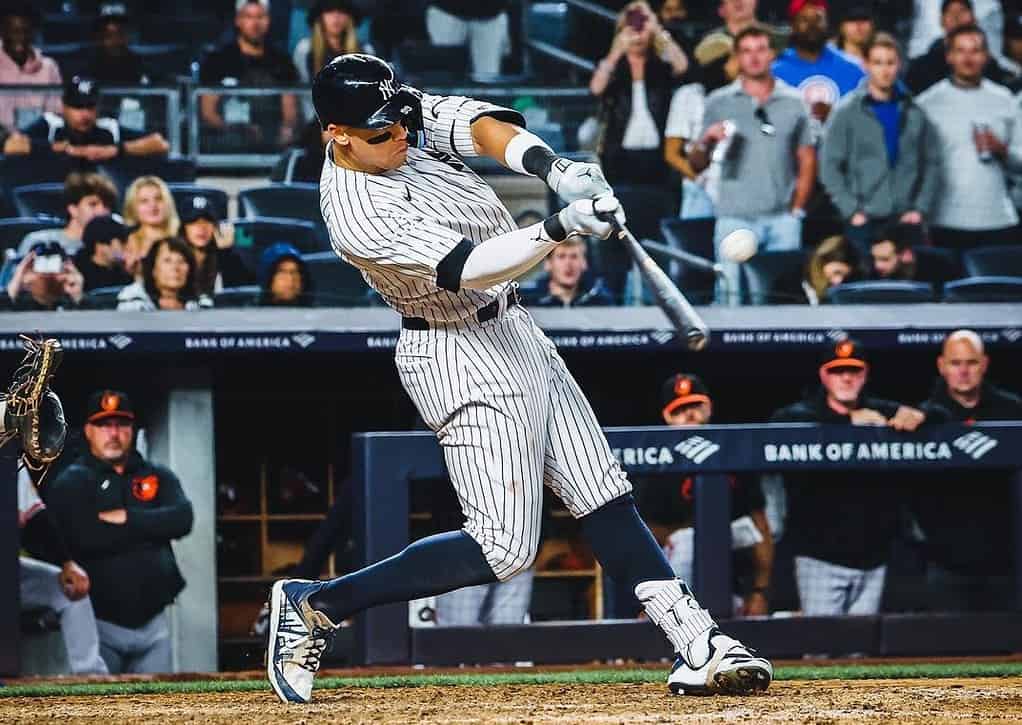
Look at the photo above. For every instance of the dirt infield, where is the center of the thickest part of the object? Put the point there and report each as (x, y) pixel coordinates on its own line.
(887, 701)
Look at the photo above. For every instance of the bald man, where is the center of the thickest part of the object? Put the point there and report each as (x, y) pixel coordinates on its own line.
(967, 515)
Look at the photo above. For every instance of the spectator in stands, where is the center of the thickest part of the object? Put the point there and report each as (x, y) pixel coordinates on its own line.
(684, 122)
(821, 74)
(79, 132)
(967, 515)
(44, 280)
(894, 257)
(112, 61)
(933, 67)
(284, 278)
(149, 208)
(22, 64)
(565, 267)
(767, 176)
(667, 503)
(634, 84)
(833, 262)
(101, 258)
(168, 280)
(247, 123)
(120, 513)
(977, 123)
(85, 196)
(217, 264)
(928, 23)
(333, 24)
(854, 32)
(842, 529)
(718, 65)
(54, 580)
(1011, 61)
(880, 157)
(480, 24)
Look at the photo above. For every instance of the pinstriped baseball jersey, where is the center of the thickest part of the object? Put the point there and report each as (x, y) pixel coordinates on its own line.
(397, 226)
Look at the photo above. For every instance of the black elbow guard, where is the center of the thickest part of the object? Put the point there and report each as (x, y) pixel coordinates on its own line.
(448, 272)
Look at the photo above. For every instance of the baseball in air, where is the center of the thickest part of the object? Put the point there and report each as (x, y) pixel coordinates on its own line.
(739, 245)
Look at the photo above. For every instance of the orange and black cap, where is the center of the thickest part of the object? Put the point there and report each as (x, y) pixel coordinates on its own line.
(108, 404)
(846, 353)
(683, 389)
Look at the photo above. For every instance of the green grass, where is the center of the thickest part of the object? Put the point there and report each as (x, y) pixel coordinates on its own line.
(518, 677)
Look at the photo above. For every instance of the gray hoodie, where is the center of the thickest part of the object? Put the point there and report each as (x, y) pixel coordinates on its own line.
(854, 166)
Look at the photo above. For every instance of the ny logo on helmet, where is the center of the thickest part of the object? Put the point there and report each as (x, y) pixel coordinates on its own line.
(387, 89)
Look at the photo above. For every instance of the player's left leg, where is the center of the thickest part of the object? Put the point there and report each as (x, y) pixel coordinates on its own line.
(581, 468)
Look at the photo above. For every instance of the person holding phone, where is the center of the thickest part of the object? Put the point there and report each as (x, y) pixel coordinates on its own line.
(45, 279)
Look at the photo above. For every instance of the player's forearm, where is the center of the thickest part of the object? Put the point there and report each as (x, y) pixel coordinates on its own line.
(509, 255)
(491, 137)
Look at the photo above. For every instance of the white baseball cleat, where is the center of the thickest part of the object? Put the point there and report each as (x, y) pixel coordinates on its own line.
(298, 637)
(718, 664)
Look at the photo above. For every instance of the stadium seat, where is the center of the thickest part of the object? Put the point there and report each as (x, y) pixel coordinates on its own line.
(283, 170)
(696, 237)
(259, 233)
(993, 260)
(773, 278)
(879, 292)
(13, 230)
(286, 201)
(102, 298)
(71, 57)
(984, 289)
(245, 296)
(40, 200)
(943, 262)
(172, 169)
(335, 283)
(183, 194)
(432, 64)
(21, 170)
(165, 61)
(548, 22)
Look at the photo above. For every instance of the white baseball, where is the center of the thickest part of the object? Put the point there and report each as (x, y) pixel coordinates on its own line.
(739, 245)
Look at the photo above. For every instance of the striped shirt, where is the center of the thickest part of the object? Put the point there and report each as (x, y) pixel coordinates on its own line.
(397, 226)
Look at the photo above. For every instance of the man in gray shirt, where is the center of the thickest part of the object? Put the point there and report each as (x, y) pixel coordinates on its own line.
(978, 124)
(86, 195)
(768, 162)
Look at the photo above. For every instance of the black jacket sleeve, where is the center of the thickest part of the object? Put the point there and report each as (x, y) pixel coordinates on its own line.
(41, 538)
(172, 519)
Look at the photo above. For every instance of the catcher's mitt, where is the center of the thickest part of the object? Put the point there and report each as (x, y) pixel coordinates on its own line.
(30, 409)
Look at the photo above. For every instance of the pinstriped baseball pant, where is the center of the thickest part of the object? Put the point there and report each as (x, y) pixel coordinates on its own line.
(510, 418)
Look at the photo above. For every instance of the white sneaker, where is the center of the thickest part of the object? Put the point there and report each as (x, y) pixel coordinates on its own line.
(298, 637)
(716, 663)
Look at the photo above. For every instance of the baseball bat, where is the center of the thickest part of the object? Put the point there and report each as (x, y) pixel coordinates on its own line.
(687, 322)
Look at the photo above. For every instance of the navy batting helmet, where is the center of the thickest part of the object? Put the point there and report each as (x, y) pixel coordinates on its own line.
(364, 92)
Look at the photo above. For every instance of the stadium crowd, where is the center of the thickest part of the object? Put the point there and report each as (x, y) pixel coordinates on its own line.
(872, 146)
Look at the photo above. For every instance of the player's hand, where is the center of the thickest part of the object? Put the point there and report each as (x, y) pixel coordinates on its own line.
(74, 582)
(114, 516)
(867, 416)
(907, 418)
(584, 216)
(574, 180)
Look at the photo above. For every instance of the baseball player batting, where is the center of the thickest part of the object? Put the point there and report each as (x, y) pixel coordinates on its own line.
(438, 245)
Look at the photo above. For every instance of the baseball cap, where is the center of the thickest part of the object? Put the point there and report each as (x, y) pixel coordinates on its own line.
(111, 12)
(682, 389)
(198, 207)
(795, 6)
(846, 353)
(108, 404)
(322, 6)
(104, 228)
(81, 92)
(242, 3)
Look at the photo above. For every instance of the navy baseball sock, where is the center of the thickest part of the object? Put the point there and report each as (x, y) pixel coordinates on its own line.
(625, 547)
(434, 565)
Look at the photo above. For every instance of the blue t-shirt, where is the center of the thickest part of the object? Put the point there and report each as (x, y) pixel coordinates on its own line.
(887, 113)
(826, 80)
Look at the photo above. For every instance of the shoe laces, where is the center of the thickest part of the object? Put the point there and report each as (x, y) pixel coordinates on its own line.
(319, 640)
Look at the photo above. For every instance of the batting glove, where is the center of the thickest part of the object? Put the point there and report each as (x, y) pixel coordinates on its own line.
(587, 217)
(574, 180)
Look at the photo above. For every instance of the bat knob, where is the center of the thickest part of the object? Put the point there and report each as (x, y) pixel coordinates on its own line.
(696, 339)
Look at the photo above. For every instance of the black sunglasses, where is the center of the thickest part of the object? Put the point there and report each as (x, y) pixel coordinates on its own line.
(765, 126)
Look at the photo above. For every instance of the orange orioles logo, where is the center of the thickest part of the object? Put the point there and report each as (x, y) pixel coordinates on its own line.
(844, 349)
(110, 402)
(682, 387)
(145, 488)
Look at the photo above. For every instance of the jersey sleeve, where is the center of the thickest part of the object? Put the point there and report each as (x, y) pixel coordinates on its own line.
(447, 122)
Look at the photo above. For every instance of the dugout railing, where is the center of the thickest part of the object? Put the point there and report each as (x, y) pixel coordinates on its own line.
(386, 465)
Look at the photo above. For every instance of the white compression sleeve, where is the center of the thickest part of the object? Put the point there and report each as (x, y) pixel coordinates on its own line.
(514, 152)
(505, 257)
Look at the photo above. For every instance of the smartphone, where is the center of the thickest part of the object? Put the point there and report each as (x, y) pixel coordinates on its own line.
(48, 264)
(636, 19)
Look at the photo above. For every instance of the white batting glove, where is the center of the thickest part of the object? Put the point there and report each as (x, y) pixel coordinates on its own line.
(583, 216)
(574, 180)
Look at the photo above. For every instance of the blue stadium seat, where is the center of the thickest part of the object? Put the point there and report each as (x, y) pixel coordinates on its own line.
(21, 170)
(71, 57)
(283, 170)
(696, 237)
(940, 260)
(984, 289)
(40, 200)
(879, 292)
(163, 61)
(993, 260)
(286, 201)
(14, 229)
(548, 22)
(244, 296)
(432, 64)
(773, 278)
(102, 298)
(335, 283)
(259, 233)
(183, 194)
(172, 169)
